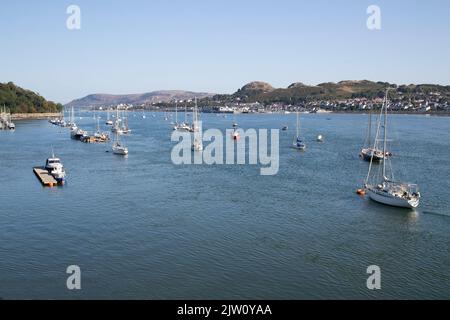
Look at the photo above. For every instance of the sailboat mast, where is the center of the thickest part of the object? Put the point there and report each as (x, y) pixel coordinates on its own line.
(176, 111)
(195, 112)
(369, 134)
(385, 135)
(298, 125)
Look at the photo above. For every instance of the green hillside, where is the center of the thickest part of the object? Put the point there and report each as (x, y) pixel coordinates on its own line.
(299, 93)
(20, 100)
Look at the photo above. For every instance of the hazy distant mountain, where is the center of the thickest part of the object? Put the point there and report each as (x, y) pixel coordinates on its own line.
(149, 97)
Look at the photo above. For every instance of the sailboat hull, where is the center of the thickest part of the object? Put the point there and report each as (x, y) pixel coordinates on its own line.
(301, 148)
(390, 200)
(120, 151)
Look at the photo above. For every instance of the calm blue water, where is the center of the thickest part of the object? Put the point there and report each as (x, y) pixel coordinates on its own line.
(142, 227)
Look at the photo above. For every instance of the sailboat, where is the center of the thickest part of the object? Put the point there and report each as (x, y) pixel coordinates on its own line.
(298, 143)
(369, 153)
(125, 127)
(71, 122)
(108, 120)
(118, 147)
(176, 124)
(75, 132)
(116, 125)
(197, 145)
(385, 189)
(9, 123)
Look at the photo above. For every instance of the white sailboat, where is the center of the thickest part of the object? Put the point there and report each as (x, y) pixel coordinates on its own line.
(369, 152)
(176, 124)
(125, 127)
(298, 142)
(116, 128)
(71, 122)
(108, 120)
(118, 147)
(385, 189)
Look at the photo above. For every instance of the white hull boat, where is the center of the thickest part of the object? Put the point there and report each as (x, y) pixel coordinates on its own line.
(378, 194)
(388, 191)
(120, 150)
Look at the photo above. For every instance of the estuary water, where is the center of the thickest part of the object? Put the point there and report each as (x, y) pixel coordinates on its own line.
(142, 227)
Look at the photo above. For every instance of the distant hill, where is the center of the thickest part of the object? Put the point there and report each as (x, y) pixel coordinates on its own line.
(96, 100)
(298, 92)
(20, 100)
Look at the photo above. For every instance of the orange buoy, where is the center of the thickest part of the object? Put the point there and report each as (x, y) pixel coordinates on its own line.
(361, 192)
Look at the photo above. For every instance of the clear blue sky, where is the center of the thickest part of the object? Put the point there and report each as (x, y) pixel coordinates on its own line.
(218, 45)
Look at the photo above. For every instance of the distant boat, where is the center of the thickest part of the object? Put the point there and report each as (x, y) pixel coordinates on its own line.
(125, 127)
(385, 189)
(108, 122)
(319, 138)
(285, 128)
(369, 152)
(118, 147)
(176, 125)
(117, 128)
(77, 133)
(298, 142)
(71, 122)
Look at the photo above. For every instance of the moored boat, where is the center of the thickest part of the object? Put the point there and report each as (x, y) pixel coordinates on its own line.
(55, 168)
(385, 189)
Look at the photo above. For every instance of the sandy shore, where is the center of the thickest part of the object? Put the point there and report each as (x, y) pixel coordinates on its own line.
(36, 116)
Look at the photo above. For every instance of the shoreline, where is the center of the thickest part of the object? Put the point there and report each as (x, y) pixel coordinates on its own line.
(46, 116)
(33, 116)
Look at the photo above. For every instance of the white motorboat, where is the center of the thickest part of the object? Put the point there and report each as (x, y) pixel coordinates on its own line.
(54, 167)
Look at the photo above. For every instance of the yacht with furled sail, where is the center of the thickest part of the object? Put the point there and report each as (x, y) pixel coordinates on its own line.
(384, 189)
(372, 152)
(117, 128)
(71, 122)
(125, 127)
(118, 147)
(298, 142)
(108, 122)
